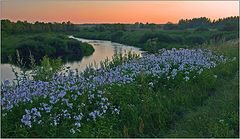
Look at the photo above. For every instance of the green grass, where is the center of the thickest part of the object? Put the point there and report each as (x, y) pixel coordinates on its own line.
(162, 109)
(187, 110)
(218, 116)
(206, 106)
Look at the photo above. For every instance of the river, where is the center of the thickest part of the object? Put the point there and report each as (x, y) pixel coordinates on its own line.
(103, 50)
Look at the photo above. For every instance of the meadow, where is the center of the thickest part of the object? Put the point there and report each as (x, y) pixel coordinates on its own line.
(183, 87)
(130, 96)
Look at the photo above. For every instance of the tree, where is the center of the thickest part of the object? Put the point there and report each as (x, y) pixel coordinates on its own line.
(153, 26)
(195, 22)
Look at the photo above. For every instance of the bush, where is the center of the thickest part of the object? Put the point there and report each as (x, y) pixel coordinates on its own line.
(201, 29)
(194, 40)
(52, 45)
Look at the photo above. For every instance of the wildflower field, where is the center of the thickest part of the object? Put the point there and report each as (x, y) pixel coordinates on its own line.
(130, 96)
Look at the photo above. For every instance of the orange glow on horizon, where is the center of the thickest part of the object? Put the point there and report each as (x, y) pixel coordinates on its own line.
(79, 12)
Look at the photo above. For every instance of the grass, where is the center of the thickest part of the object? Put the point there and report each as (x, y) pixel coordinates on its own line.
(143, 105)
(218, 116)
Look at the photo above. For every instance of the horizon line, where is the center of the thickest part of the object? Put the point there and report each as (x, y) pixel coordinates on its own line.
(119, 22)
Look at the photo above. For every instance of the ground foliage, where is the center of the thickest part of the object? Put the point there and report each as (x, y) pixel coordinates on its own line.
(130, 96)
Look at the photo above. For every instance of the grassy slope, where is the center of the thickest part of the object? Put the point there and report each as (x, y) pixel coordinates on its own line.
(187, 111)
(219, 114)
(217, 117)
(162, 108)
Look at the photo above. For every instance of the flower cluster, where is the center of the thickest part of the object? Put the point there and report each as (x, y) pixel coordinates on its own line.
(68, 97)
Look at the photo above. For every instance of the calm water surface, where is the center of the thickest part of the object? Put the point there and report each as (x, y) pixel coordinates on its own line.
(103, 50)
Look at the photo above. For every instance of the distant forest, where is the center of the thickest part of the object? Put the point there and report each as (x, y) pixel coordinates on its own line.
(203, 23)
(38, 27)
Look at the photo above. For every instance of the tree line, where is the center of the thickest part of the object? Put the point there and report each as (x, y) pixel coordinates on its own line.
(222, 24)
(202, 23)
(38, 27)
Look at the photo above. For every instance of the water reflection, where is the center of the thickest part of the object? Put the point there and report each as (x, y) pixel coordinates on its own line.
(103, 50)
(7, 73)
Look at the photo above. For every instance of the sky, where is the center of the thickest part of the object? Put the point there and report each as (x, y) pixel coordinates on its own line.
(79, 12)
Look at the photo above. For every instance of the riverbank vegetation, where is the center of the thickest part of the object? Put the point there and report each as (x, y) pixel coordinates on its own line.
(152, 37)
(22, 37)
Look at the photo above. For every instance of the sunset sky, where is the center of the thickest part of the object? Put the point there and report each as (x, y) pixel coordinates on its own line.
(79, 12)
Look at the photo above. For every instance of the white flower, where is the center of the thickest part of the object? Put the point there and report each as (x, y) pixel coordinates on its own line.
(186, 78)
(151, 83)
(72, 131)
(78, 124)
(221, 121)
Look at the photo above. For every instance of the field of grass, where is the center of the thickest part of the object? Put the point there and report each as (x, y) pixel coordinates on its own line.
(218, 116)
(164, 94)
